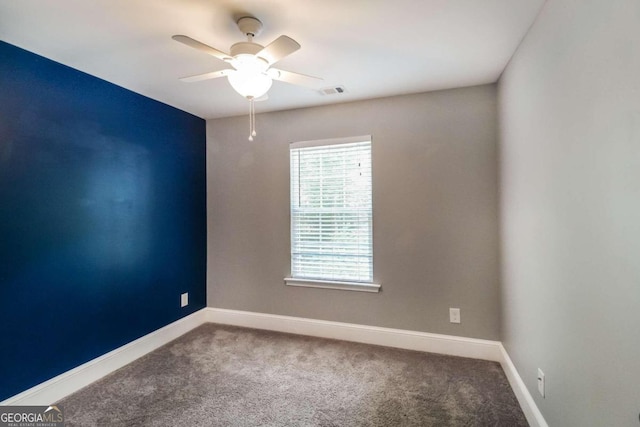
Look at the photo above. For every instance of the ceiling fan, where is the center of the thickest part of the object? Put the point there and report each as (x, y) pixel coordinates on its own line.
(252, 73)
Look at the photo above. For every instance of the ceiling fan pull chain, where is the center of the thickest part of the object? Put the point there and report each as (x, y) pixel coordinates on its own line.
(251, 131)
(253, 117)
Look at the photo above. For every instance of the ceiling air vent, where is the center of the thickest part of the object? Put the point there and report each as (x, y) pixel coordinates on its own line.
(332, 90)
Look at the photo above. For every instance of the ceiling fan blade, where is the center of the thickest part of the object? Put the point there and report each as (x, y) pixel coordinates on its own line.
(206, 76)
(278, 49)
(294, 78)
(201, 47)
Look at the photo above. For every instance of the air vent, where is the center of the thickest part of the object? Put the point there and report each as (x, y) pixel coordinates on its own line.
(333, 90)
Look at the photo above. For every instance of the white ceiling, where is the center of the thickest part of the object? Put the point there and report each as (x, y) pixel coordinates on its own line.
(374, 48)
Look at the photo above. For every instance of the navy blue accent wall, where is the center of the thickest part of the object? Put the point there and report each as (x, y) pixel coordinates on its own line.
(102, 217)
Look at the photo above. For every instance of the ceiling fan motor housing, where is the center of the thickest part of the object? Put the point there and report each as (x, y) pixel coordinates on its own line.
(247, 48)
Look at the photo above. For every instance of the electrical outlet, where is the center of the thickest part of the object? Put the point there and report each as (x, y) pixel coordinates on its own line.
(541, 382)
(184, 299)
(454, 315)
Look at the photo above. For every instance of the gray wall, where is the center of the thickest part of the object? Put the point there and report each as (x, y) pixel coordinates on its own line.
(435, 212)
(570, 172)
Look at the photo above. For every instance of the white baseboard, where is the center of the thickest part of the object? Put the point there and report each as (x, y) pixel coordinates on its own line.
(399, 338)
(528, 405)
(71, 381)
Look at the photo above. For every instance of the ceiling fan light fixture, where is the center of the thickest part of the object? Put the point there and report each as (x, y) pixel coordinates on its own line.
(250, 84)
(250, 79)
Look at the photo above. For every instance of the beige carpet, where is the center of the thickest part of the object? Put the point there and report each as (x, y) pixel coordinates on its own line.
(226, 376)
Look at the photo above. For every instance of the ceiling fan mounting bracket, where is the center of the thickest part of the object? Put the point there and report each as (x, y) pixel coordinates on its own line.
(250, 26)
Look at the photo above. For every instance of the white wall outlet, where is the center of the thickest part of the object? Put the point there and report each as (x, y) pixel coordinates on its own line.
(184, 299)
(454, 315)
(541, 382)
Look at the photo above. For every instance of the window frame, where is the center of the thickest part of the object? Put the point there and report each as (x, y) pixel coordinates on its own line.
(362, 286)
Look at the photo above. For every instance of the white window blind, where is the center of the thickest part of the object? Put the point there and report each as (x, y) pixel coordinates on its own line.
(331, 210)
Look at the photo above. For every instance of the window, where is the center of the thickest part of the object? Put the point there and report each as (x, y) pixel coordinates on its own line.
(331, 214)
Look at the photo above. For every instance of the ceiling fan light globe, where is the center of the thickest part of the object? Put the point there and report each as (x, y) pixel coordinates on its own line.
(250, 84)
(249, 63)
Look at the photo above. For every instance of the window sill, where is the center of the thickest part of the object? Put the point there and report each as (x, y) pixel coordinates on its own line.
(330, 284)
